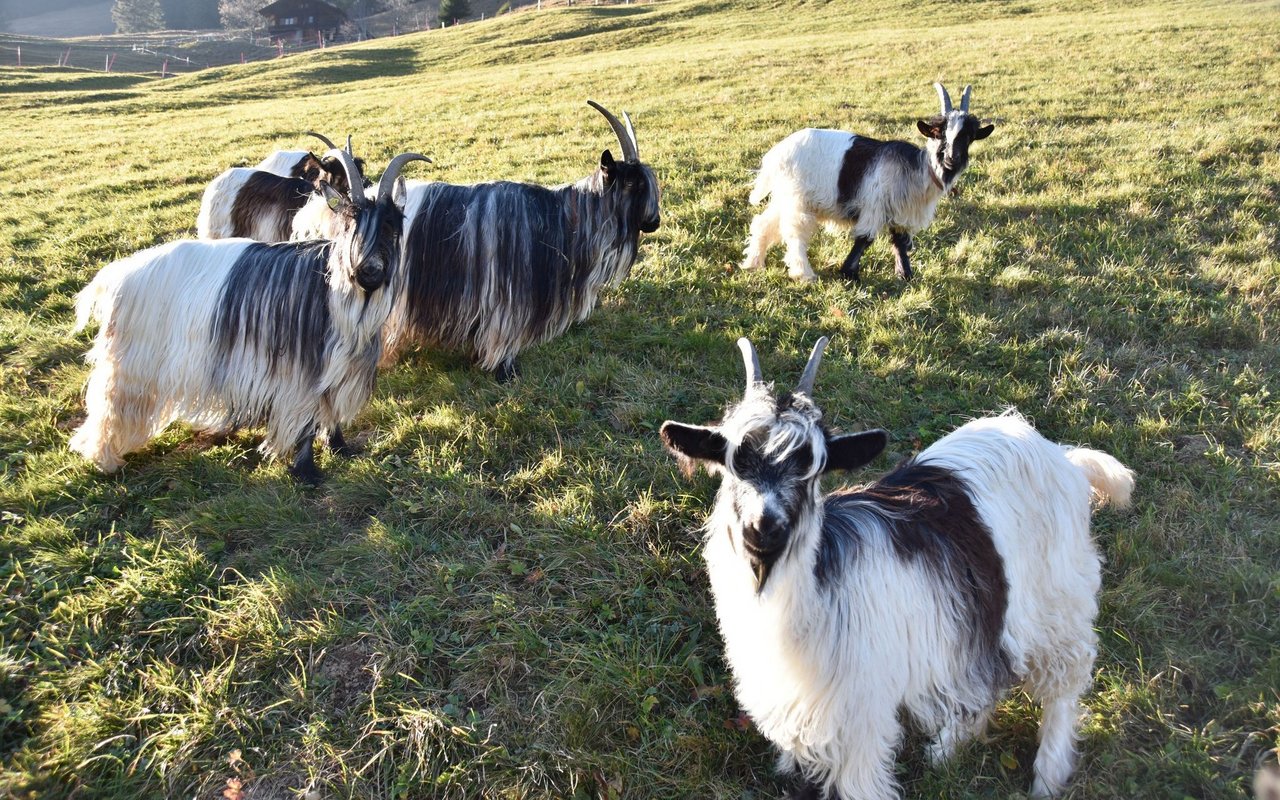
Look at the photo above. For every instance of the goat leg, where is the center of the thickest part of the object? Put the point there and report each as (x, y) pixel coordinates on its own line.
(507, 371)
(902, 261)
(338, 444)
(304, 469)
(852, 262)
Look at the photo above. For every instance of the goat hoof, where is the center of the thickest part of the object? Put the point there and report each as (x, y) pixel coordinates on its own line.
(805, 791)
(851, 275)
(506, 372)
(307, 474)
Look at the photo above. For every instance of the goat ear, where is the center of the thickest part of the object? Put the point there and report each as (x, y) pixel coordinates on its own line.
(332, 196)
(399, 191)
(693, 444)
(608, 166)
(853, 450)
(929, 130)
(983, 132)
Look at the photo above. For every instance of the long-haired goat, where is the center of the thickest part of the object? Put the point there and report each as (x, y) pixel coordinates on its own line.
(226, 333)
(966, 568)
(493, 268)
(260, 203)
(856, 182)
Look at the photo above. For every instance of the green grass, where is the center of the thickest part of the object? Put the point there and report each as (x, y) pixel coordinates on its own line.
(504, 597)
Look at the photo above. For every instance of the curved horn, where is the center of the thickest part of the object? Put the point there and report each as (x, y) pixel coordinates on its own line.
(964, 99)
(624, 141)
(944, 98)
(388, 178)
(349, 150)
(805, 386)
(751, 361)
(631, 132)
(324, 139)
(354, 179)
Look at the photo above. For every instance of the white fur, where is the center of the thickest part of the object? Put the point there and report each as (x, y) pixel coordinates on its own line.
(823, 672)
(218, 201)
(153, 356)
(799, 176)
(283, 162)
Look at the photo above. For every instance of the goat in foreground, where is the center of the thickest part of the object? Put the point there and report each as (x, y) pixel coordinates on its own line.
(966, 568)
(260, 204)
(856, 182)
(226, 333)
(493, 268)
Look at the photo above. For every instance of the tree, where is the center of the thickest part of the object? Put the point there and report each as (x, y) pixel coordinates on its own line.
(190, 14)
(453, 10)
(239, 14)
(137, 16)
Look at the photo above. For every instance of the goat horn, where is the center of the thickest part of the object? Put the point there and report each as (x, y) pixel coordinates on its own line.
(324, 139)
(964, 99)
(624, 141)
(944, 98)
(354, 178)
(751, 361)
(805, 386)
(631, 132)
(349, 150)
(388, 178)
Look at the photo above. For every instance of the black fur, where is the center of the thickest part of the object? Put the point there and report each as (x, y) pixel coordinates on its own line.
(265, 193)
(529, 255)
(275, 302)
(932, 519)
(863, 152)
(901, 260)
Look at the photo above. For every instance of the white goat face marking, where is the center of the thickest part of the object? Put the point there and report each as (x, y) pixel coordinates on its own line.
(776, 452)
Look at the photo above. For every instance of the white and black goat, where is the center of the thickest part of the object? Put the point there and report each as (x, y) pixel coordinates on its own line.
(849, 181)
(932, 590)
(226, 333)
(261, 202)
(493, 268)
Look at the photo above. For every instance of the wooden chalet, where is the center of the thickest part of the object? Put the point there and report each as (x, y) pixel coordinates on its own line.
(302, 20)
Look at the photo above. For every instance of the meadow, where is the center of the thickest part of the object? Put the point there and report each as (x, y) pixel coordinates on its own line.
(503, 597)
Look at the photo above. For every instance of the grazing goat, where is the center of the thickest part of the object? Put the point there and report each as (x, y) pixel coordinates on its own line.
(966, 568)
(260, 204)
(226, 333)
(493, 268)
(860, 183)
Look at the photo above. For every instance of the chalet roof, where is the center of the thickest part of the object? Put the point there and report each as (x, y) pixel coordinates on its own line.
(293, 7)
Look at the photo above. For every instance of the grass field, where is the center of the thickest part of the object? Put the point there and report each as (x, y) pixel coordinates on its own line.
(503, 597)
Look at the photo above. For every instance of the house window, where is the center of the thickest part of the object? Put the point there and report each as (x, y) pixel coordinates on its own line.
(311, 19)
(289, 21)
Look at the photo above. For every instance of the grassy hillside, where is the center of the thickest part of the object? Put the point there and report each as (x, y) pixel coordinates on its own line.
(504, 596)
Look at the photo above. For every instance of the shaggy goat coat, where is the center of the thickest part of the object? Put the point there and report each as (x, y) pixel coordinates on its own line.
(859, 184)
(493, 268)
(932, 590)
(251, 204)
(232, 332)
(227, 333)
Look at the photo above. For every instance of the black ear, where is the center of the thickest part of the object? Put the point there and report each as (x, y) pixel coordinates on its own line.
(930, 130)
(983, 132)
(608, 166)
(332, 196)
(693, 443)
(853, 450)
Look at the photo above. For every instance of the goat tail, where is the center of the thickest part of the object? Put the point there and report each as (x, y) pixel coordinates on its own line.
(763, 185)
(94, 302)
(1112, 482)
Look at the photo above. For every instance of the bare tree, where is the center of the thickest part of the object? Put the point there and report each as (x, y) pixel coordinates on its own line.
(238, 14)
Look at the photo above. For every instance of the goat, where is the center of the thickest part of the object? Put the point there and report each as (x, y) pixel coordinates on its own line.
(233, 332)
(259, 204)
(856, 182)
(493, 268)
(932, 589)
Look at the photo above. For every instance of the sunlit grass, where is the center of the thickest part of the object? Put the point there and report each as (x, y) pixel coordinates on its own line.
(504, 597)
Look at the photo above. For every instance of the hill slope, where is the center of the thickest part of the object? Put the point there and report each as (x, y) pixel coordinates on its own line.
(503, 597)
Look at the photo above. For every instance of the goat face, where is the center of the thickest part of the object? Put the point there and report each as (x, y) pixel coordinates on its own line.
(951, 133)
(635, 190)
(370, 233)
(771, 453)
